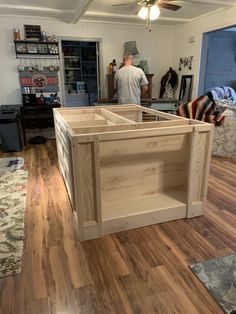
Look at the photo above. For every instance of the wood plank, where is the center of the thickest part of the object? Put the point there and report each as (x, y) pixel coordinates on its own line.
(142, 166)
(142, 204)
(141, 125)
(113, 117)
(131, 134)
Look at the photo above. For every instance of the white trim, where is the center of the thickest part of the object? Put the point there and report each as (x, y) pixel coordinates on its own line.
(208, 2)
(208, 14)
(98, 14)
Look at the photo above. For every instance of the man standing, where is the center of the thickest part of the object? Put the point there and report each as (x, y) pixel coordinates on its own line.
(129, 82)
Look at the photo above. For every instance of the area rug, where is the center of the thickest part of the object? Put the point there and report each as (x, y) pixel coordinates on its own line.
(12, 211)
(219, 277)
(11, 163)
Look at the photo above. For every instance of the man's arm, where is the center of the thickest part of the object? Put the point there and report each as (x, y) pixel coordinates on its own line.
(115, 85)
(144, 83)
(144, 89)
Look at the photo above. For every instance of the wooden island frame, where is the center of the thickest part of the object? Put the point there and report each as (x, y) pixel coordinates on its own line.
(122, 173)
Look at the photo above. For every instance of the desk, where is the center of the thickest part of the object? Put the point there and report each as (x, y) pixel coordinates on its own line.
(166, 105)
(37, 117)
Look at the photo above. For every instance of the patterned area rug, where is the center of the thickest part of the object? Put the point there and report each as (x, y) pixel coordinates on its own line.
(11, 163)
(12, 211)
(219, 277)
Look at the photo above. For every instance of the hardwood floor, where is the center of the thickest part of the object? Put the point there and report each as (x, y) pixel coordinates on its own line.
(138, 271)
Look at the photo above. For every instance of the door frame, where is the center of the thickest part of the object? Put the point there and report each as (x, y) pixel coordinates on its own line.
(100, 69)
(204, 53)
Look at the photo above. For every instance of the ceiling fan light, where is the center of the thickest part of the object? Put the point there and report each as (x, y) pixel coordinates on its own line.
(143, 12)
(154, 12)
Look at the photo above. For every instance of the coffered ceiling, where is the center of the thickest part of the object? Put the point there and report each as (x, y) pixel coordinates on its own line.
(73, 10)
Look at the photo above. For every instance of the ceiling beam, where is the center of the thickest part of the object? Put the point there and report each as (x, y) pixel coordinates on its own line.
(80, 9)
(8, 9)
(209, 2)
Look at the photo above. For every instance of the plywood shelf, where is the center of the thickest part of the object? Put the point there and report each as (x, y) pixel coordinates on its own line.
(143, 204)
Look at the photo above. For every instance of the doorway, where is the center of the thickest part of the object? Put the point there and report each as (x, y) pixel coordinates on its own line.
(80, 72)
(218, 60)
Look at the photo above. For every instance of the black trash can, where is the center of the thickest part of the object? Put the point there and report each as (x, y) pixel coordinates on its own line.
(10, 131)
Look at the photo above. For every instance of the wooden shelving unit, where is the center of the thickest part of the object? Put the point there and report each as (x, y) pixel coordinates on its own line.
(80, 65)
(123, 173)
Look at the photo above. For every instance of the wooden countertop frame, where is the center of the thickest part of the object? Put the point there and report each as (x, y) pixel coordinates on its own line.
(123, 173)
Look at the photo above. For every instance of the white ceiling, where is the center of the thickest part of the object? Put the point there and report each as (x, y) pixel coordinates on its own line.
(72, 10)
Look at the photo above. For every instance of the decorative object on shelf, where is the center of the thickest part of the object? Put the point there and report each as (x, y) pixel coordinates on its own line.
(186, 62)
(130, 46)
(16, 33)
(21, 48)
(186, 88)
(143, 64)
(43, 36)
(150, 9)
(81, 87)
(32, 48)
(32, 32)
(169, 84)
(54, 38)
(42, 48)
(51, 68)
(53, 49)
(21, 68)
(109, 68)
(114, 67)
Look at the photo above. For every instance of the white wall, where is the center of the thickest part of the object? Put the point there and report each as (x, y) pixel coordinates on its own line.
(155, 46)
(182, 48)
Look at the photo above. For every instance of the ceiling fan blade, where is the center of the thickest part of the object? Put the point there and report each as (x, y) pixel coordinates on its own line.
(122, 4)
(141, 2)
(169, 6)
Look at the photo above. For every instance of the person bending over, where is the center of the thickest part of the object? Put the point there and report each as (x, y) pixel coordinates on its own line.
(130, 82)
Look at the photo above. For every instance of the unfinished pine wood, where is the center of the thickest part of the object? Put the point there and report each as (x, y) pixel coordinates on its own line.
(154, 162)
(143, 270)
(143, 166)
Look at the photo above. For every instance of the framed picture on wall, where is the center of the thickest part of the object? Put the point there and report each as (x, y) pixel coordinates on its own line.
(32, 32)
(42, 48)
(32, 48)
(185, 92)
(21, 48)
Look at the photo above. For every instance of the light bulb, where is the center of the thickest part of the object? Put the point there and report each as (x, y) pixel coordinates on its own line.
(143, 12)
(154, 12)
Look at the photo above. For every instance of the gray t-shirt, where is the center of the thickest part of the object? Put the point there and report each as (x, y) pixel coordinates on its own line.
(128, 82)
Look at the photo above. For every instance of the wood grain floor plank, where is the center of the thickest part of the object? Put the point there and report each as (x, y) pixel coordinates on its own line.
(145, 270)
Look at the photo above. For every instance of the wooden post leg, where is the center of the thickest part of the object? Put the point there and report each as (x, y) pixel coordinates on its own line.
(199, 163)
(87, 189)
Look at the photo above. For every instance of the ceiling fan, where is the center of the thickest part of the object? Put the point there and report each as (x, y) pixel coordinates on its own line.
(150, 8)
(160, 3)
